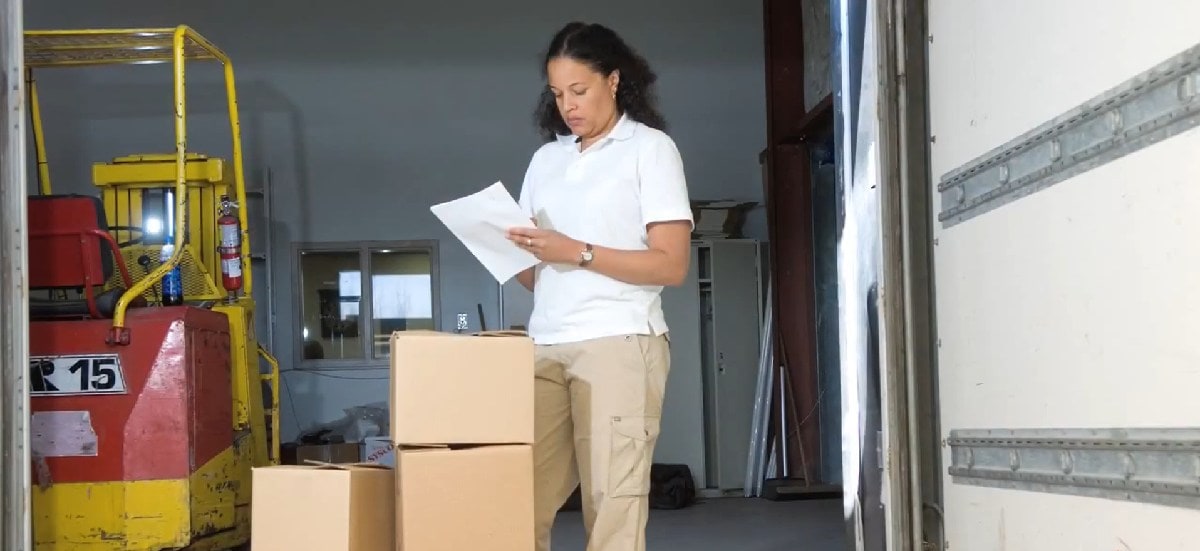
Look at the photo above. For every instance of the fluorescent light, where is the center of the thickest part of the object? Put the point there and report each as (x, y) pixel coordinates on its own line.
(154, 226)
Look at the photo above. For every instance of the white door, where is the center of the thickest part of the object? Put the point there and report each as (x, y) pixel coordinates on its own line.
(1073, 302)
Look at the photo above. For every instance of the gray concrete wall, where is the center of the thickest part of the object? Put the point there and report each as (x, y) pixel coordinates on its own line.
(368, 112)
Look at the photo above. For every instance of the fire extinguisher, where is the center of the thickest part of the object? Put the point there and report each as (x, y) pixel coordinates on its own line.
(230, 247)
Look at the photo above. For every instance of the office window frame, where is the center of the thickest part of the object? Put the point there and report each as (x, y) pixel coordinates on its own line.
(366, 317)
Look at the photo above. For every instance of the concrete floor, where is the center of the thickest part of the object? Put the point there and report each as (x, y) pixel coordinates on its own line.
(730, 524)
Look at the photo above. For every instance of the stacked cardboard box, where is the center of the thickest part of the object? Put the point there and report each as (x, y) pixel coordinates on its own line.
(461, 475)
(339, 453)
(379, 450)
(462, 423)
(325, 507)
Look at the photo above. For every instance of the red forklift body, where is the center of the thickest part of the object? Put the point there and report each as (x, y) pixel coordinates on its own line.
(158, 409)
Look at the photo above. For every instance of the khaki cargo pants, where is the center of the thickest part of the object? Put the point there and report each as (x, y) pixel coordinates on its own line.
(598, 405)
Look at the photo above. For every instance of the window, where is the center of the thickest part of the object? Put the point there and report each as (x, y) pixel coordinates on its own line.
(353, 296)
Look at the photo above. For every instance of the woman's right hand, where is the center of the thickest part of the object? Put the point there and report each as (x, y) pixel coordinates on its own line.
(527, 276)
(516, 239)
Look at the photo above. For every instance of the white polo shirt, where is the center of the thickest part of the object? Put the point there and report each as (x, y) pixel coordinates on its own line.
(605, 196)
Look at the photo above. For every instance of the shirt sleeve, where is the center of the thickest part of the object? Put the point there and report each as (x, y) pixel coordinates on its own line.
(664, 193)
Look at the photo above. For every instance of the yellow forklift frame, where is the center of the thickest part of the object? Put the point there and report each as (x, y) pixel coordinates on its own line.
(139, 46)
(95, 47)
(177, 46)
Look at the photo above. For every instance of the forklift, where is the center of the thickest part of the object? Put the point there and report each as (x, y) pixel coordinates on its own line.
(148, 403)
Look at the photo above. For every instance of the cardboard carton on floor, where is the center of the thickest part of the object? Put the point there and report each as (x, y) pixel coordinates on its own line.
(379, 449)
(323, 508)
(338, 453)
(477, 498)
(461, 389)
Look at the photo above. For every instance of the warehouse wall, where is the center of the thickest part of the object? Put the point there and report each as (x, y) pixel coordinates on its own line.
(366, 113)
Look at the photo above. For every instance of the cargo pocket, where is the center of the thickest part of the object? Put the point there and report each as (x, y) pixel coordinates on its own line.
(629, 462)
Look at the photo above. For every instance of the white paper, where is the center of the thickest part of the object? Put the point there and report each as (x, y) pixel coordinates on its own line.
(481, 221)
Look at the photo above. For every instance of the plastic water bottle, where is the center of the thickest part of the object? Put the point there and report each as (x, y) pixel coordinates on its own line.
(172, 282)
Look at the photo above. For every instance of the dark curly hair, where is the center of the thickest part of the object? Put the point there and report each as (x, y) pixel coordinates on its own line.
(604, 51)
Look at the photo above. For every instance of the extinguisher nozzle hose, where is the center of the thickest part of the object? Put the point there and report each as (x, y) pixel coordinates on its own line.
(144, 261)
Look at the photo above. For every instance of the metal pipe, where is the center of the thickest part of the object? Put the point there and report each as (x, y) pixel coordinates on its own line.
(762, 390)
(785, 468)
(120, 334)
(887, 75)
(15, 521)
(268, 195)
(764, 451)
(276, 380)
(913, 441)
(39, 136)
(235, 127)
(239, 177)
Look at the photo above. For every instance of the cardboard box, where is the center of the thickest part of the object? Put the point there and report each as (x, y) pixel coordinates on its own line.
(323, 508)
(461, 389)
(379, 450)
(341, 453)
(478, 498)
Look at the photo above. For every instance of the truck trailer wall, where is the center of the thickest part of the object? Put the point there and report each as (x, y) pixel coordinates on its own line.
(857, 138)
(1074, 306)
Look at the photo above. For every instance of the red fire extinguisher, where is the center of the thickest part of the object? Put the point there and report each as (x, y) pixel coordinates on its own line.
(230, 247)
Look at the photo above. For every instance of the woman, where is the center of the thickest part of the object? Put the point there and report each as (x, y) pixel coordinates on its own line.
(613, 225)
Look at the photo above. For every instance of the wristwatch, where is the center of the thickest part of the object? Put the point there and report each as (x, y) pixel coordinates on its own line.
(585, 256)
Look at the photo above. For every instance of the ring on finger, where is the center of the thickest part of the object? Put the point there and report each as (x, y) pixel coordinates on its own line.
(528, 241)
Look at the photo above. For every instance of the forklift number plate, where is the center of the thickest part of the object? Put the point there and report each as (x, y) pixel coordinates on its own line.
(76, 375)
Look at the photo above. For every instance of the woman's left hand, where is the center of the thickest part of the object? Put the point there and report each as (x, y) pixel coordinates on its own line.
(547, 245)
